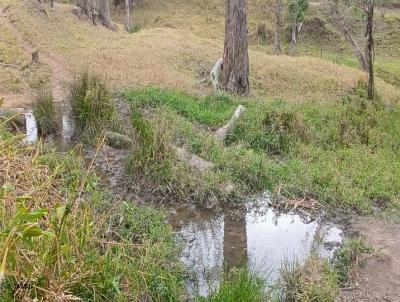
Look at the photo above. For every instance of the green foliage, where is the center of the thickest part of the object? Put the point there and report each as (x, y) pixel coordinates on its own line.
(298, 9)
(92, 108)
(242, 285)
(347, 259)
(44, 113)
(315, 280)
(134, 29)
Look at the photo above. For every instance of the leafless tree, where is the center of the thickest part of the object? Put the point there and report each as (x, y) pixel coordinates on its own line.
(366, 58)
(236, 58)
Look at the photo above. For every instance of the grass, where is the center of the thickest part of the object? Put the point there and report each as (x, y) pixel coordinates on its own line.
(92, 107)
(348, 259)
(342, 153)
(44, 113)
(82, 244)
(154, 165)
(241, 284)
(315, 280)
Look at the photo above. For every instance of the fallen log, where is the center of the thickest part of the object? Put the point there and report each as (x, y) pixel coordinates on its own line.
(223, 132)
(193, 160)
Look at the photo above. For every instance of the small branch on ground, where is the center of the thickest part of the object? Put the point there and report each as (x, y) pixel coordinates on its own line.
(223, 132)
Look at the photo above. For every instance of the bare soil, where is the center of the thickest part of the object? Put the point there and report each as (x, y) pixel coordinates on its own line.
(60, 73)
(378, 279)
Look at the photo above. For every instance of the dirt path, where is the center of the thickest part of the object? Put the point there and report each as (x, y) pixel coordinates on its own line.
(57, 65)
(379, 278)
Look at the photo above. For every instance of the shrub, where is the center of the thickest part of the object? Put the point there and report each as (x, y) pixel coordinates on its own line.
(44, 113)
(134, 29)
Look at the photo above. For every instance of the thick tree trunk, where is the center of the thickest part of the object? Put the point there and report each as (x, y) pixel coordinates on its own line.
(104, 13)
(236, 58)
(278, 9)
(87, 7)
(51, 3)
(127, 16)
(369, 49)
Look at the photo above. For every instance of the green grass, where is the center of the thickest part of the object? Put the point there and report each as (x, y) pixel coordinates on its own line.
(342, 153)
(92, 107)
(348, 258)
(81, 242)
(44, 113)
(315, 280)
(241, 284)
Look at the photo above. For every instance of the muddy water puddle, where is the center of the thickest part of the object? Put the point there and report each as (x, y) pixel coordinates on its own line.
(260, 238)
(214, 241)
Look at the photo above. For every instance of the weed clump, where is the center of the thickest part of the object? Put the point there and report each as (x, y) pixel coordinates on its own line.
(242, 285)
(348, 258)
(44, 113)
(315, 280)
(92, 107)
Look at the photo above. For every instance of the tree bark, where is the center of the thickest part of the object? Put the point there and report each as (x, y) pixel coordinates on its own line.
(369, 49)
(104, 13)
(293, 40)
(236, 58)
(127, 16)
(278, 9)
(51, 3)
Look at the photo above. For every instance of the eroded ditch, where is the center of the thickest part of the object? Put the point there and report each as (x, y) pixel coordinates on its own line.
(216, 240)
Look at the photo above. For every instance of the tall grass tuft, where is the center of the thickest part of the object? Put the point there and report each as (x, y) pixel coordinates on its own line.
(315, 280)
(92, 107)
(242, 285)
(348, 258)
(45, 113)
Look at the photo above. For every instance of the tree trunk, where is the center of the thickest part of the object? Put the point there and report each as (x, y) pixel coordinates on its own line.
(293, 40)
(355, 46)
(278, 9)
(87, 7)
(127, 16)
(369, 49)
(104, 13)
(236, 58)
(51, 3)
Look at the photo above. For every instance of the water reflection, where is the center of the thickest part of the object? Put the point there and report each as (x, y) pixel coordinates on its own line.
(262, 239)
(66, 129)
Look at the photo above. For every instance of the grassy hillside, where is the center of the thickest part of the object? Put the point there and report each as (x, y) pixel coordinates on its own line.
(177, 56)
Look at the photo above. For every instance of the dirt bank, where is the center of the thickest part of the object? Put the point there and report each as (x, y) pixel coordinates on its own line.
(379, 278)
